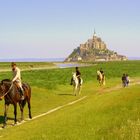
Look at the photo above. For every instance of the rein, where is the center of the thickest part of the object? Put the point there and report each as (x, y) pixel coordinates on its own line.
(7, 91)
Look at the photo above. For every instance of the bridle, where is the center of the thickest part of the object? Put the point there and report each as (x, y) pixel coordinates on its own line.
(7, 91)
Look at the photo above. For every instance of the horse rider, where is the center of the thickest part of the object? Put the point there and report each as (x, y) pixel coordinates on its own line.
(127, 79)
(78, 75)
(124, 80)
(17, 79)
(102, 72)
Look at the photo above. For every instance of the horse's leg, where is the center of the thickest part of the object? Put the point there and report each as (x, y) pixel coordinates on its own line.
(15, 113)
(76, 87)
(5, 115)
(21, 109)
(80, 89)
(73, 90)
(100, 82)
(29, 107)
(104, 82)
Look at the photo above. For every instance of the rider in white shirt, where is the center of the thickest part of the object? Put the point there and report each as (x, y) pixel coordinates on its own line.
(17, 78)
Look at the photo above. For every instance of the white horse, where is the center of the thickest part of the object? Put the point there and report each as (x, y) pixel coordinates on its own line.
(76, 85)
(100, 78)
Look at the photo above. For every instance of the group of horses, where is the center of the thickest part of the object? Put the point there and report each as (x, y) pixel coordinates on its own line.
(77, 86)
(9, 91)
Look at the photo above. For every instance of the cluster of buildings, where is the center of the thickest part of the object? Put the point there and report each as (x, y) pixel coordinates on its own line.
(94, 50)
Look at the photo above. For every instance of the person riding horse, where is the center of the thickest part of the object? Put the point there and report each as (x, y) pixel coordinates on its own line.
(17, 79)
(102, 72)
(78, 75)
(101, 77)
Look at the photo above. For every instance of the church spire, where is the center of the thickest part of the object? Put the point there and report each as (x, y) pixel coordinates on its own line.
(94, 35)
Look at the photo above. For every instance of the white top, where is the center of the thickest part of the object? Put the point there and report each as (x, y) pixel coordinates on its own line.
(16, 75)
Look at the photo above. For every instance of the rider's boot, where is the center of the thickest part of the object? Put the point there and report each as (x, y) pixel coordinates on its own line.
(21, 93)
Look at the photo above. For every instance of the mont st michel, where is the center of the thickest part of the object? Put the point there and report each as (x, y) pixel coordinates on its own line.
(94, 49)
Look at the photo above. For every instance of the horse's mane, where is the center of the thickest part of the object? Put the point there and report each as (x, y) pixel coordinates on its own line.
(6, 81)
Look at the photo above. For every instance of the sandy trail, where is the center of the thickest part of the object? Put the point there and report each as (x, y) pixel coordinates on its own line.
(48, 112)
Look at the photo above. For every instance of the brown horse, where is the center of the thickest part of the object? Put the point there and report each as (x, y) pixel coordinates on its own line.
(11, 95)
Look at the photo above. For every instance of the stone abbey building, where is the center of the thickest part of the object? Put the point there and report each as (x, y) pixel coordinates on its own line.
(94, 50)
(95, 42)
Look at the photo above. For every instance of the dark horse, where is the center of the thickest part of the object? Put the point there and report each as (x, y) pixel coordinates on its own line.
(11, 95)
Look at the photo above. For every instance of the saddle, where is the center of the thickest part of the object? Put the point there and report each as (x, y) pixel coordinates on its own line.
(79, 79)
(17, 86)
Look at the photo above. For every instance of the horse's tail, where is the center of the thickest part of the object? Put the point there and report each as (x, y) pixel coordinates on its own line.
(27, 89)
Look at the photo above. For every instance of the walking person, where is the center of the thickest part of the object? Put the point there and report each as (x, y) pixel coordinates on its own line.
(124, 80)
(127, 79)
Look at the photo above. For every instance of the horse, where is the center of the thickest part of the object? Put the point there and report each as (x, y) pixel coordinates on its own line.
(10, 92)
(76, 85)
(100, 78)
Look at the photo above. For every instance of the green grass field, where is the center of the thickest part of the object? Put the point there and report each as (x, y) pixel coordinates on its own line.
(108, 113)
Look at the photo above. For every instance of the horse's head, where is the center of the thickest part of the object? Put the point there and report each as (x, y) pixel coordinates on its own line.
(74, 75)
(98, 72)
(4, 86)
(6, 82)
(2, 89)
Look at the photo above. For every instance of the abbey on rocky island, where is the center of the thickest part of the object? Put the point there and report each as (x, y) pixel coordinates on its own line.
(94, 50)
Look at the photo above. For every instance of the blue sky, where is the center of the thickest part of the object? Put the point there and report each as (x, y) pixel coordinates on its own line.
(53, 28)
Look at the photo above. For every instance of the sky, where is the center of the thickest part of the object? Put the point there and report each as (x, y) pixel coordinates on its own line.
(54, 28)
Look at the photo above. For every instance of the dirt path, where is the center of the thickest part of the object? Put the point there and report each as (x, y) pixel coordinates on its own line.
(48, 112)
(117, 87)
